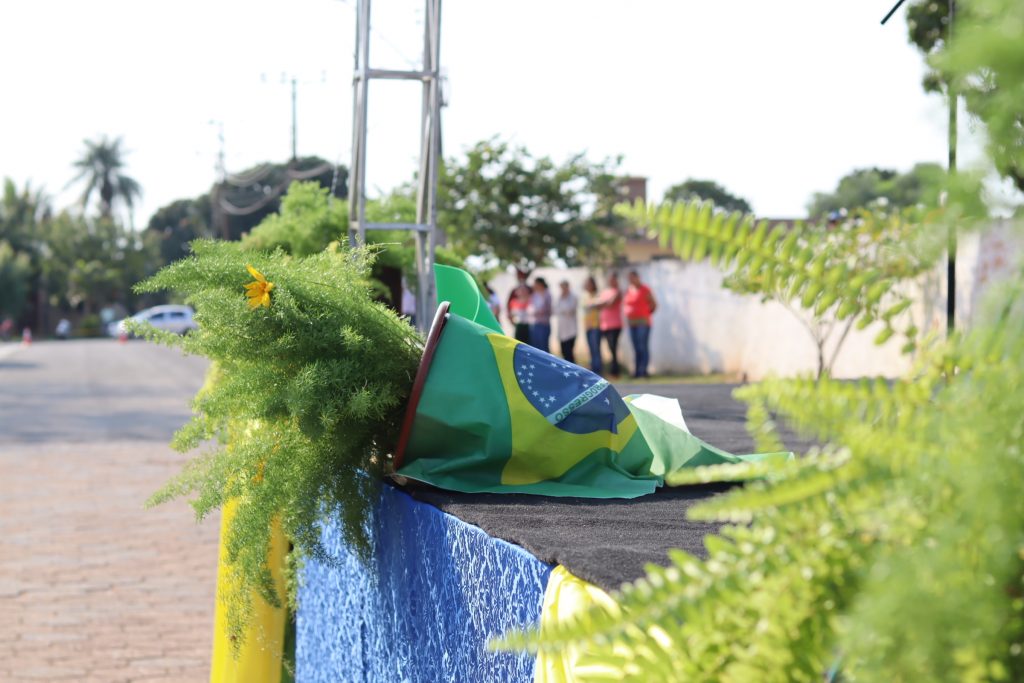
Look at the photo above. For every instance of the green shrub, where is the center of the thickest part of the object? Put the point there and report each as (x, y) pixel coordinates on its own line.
(90, 326)
(310, 222)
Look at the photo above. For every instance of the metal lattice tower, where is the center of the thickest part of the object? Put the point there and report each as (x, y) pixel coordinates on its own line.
(425, 227)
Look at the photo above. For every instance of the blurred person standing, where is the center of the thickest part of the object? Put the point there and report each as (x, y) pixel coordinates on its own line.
(611, 320)
(520, 282)
(408, 303)
(540, 316)
(565, 314)
(518, 311)
(592, 322)
(493, 302)
(639, 305)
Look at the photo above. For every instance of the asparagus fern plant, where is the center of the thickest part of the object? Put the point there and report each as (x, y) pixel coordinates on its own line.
(310, 378)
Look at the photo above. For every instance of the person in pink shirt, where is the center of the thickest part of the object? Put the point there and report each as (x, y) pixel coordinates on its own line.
(611, 320)
(639, 305)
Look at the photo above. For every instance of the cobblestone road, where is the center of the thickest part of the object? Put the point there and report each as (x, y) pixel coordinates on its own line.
(93, 587)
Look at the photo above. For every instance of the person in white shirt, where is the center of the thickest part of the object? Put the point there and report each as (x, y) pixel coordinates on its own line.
(408, 303)
(539, 315)
(493, 302)
(565, 315)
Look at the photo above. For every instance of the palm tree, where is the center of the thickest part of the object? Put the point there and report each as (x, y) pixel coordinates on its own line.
(101, 168)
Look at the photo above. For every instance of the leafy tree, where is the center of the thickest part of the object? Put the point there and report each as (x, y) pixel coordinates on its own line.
(984, 68)
(607, 191)
(308, 223)
(93, 262)
(868, 188)
(15, 271)
(985, 64)
(174, 226)
(243, 200)
(305, 224)
(709, 190)
(927, 29)
(73, 261)
(21, 211)
(23, 215)
(101, 168)
(508, 206)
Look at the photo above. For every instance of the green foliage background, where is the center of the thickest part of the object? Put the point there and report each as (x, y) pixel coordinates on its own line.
(66, 261)
(985, 63)
(309, 222)
(867, 188)
(708, 190)
(15, 270)
(505, 205)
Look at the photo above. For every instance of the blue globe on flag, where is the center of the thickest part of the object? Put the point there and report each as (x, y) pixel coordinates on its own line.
(568, 396)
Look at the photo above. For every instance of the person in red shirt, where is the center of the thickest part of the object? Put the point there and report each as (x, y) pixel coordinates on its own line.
(610, 302)
(639, 305)
(518, 312)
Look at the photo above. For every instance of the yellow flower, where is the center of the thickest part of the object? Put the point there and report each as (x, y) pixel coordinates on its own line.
(258, 291)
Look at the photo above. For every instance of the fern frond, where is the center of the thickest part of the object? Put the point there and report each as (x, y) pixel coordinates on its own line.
(804, 263)
(306, 396)
(896, 549)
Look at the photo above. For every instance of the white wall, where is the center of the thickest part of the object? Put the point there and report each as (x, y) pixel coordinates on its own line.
(700, 327)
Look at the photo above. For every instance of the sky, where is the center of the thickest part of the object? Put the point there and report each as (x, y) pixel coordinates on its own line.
(775, 100)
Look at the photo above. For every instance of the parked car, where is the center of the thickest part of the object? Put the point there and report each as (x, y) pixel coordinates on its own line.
(171, 317)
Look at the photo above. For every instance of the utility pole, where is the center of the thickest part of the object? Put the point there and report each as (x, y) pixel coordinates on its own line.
(294, 82)
(218, 221)
(429, 76)
(295, 133)
(221, 166)
(951, 241)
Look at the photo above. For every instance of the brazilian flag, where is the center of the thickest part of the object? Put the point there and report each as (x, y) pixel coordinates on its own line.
(491, 414)
(464, 297)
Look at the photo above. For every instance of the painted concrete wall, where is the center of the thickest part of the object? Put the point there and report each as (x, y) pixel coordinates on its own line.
(700, 327)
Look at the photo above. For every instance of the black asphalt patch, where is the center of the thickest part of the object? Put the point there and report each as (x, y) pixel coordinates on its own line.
(608, 542)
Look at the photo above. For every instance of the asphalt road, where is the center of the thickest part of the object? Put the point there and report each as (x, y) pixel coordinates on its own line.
(95, 391)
